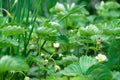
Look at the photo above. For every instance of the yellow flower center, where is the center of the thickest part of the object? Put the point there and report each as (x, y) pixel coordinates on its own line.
(100, 58)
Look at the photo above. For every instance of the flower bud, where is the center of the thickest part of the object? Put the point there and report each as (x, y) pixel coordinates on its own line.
(56, 45)
(60, 55)
(42, 54)
(26, 78)
(45, 62)
(57, 67)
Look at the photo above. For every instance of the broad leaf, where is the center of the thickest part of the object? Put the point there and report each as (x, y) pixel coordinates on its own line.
(12, 30)
(8, 63)
(86, 62)
(116, 75)
(68, 60)
(4, 42)
(72, 70)
(82, 77)
(55, 78)
(111, 5)
(100, 72)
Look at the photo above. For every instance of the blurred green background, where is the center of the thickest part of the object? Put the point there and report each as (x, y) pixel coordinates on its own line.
(47, 4)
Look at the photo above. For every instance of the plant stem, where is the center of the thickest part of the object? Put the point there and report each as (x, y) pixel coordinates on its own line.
(27, 20)
(34, 19)
(87, 48)
(68, 77)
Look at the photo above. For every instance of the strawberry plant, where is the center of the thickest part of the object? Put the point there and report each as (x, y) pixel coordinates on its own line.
(59, 39)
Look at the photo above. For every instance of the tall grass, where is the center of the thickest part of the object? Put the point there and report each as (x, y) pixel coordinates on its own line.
(18, 13)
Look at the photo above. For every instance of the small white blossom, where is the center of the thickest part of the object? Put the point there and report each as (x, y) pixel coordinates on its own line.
(101, 57)
(46, 62)
(60, 55)
(102, 3)
(57, 67)
(42, 54)
(56, 45)
(60, 6)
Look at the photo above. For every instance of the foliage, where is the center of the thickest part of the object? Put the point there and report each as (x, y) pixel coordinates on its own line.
(7, 62)
(59, 39)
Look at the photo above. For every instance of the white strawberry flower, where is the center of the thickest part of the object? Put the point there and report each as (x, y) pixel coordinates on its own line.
(59, 6)
(56, 45)
(101, 57)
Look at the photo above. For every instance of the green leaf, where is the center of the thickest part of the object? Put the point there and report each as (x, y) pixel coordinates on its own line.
(72, 70)
(47, 32)
(116, 75)
(100, 72)
(12, 30)
(4, 42)
(111, 5)
(68, 60)
(8, 63)
(55, 78)
(63, 39)
(86, 62)
(33, 71)
(102, 37)
(89, 30)
(81, 77)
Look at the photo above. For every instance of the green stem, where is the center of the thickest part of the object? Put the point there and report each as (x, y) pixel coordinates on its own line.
(1, 11)
(87, 46)
(96, 49)
(1, 5)
(68, 77)
(34, 19)
(43, 48)
(27, 21)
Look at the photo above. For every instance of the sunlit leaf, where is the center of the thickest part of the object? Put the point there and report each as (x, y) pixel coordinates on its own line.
(12, 30)
(68, 60)
(86, 62)
(4, 42)
(8, 63)
(72, 70)
(116, 75)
